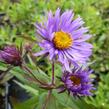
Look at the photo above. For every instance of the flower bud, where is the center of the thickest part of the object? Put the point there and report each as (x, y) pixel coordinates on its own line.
(11, 55)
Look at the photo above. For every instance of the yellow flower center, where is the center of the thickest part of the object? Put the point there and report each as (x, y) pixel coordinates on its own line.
(75, 80)
(62, 40)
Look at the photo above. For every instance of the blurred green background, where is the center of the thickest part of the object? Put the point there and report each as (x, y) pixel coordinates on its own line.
(17, 18)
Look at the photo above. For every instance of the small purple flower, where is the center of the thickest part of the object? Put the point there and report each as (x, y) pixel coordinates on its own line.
(64, 39)
(77, 83)
(11, 55)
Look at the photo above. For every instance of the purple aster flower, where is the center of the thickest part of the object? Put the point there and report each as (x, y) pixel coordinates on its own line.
(77, 83)
(64, 39)
(11, 55)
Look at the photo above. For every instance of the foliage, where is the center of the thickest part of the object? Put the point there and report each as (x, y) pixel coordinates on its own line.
(17, 19)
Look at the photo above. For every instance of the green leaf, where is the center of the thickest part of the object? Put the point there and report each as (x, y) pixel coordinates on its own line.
(29, 104)
(64, 100)
(28, 88)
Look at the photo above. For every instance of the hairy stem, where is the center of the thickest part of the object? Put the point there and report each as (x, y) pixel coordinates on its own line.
(53, 73)
(50, 91)
(47, 98)
(28, 70)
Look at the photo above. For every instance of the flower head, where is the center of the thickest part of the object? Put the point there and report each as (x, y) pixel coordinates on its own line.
(64, 39)
(11, 55)
(77, 83)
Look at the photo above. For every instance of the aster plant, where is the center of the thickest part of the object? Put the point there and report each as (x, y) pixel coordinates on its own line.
(64, 40)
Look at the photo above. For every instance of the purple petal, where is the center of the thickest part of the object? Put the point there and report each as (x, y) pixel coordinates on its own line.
(52, 53)
(76, 24)
(40, 53)
(65, 18)
(83, 38)
(57, 20)
(79, 33)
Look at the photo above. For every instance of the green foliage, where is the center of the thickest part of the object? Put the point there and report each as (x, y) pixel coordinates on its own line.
(29, 104)
(102, 94)
(17, 21)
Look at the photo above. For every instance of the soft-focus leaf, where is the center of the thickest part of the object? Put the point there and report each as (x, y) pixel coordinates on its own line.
(28, 88)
